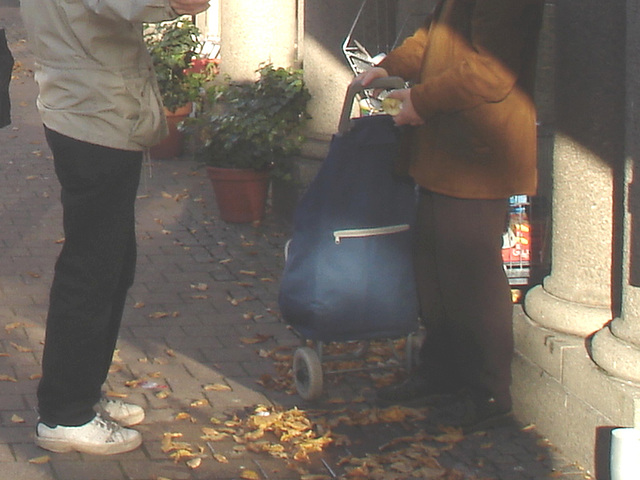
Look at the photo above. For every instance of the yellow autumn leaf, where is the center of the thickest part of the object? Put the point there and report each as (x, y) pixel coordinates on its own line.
(7, 378)
(217, 387)
(220, 458)
(194, 463)
(453, 436)
(213, 435)
(112, 394)
(40, 460)
(249, 475)
(17, 419)
(134, 383)
(182, 454)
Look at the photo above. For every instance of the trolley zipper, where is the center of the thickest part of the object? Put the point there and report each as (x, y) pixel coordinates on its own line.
(369, 232)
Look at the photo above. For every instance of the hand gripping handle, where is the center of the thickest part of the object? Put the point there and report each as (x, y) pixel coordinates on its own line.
(385, 83)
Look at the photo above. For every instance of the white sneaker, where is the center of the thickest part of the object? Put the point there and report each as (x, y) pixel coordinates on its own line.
(99, 437)
(126, 414)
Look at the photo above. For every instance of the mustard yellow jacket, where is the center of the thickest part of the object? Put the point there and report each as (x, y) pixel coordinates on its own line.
(96, 79)
(473, 65)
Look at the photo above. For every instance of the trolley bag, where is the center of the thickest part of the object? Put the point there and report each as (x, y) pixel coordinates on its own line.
(348, 272)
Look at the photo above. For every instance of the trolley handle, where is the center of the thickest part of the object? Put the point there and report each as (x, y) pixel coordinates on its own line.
(388, 83)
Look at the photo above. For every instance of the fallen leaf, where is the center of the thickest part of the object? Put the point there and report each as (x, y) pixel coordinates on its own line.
(40, 460)
(258, 338)
(17, 419)
(181, 454)
(112, 394)
(249, 475)
(217, 387)
(194, 463)
(12, 326)
(213, 435)
(20, 348)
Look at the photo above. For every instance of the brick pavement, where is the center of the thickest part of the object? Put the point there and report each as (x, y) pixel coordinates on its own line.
(203, 287)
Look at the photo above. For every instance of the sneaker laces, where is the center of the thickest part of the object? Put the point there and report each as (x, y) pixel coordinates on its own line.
(109, 425)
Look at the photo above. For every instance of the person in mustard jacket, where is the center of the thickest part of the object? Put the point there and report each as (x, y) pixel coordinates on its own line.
(472, 145)
(101, 108)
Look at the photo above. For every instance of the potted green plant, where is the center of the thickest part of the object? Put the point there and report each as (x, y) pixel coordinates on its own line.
(251, 130)
(173, 46)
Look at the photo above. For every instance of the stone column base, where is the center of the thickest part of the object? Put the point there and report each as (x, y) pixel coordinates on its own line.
(571, 401)
(616, 356)
(564, 316)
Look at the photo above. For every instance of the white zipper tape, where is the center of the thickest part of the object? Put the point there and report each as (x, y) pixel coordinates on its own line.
(369, 232)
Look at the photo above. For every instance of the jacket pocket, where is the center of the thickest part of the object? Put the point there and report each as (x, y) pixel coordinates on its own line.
(148, 123)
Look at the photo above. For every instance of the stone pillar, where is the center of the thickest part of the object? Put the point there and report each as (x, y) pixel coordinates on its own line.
(255, 32)
(578, 296)
(326, 72)
(616, 348)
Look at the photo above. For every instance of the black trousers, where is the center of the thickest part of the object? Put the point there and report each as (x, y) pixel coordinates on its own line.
(92, 275)
(464, 293)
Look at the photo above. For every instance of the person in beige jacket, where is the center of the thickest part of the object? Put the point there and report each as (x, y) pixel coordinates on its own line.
(101, 109)
(472, 146)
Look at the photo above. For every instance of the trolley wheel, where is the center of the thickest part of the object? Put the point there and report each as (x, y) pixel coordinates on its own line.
(307, 372)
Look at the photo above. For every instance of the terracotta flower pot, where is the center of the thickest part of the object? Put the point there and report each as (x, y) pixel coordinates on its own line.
(241, 194)
(172, 146)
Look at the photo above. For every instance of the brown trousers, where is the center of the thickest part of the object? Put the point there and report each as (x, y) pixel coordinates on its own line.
(464, 294)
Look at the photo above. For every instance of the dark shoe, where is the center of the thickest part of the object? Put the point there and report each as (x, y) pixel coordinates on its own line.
(414, 391)
(482, 412)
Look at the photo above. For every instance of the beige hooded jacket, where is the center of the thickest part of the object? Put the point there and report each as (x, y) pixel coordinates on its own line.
(95, 75)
